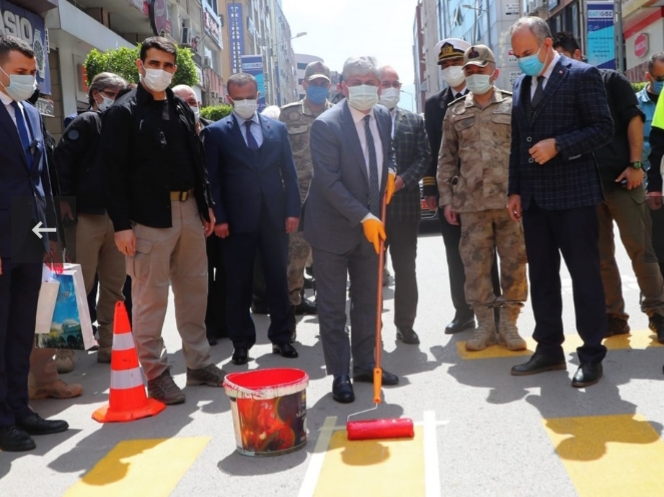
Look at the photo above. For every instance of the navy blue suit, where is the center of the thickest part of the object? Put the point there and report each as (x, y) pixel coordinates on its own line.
(559, 200)
(24, 199)
(254, 191)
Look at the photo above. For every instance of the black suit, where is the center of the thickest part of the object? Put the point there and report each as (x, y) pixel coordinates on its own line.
(434, 113)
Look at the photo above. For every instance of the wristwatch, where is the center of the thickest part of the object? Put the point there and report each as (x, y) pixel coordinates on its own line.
(636, 164)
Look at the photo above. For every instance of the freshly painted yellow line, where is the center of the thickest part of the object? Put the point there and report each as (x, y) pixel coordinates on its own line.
(385, 468)
(641, 339)
(140, 468)
(610, 456)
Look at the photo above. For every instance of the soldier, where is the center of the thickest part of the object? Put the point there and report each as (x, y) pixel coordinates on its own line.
(298, 117)
(472, 181)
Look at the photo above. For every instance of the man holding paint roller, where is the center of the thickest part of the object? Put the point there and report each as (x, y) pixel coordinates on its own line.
(353, 162)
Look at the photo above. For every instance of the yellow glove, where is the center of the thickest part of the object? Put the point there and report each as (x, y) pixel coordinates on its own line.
(389, 189)
(374, 232)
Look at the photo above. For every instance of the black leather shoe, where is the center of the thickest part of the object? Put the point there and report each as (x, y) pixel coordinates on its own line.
(306, 306)
(364, 376)
(240, 356)
(13, 439)
(588, 374)
(657, 325)
(457, 325)
(538, 363)
(342, 390)
(408, 335)
(36, 425)
(285, 349)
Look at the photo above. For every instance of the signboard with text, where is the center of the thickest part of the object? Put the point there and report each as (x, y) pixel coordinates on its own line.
(601, 35)
(236, 36)
(253, 64)
(212, 25)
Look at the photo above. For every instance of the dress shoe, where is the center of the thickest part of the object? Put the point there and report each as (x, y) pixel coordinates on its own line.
(538, 363)
(36, 425)
(240, 356)
(13, 439)
(306, 306)
(342, 390)
(285, 349)
(458, 324)
(365, 376)
(657, 325)
(588, 374)
(408, 335)
(56, 390)
(616, 326)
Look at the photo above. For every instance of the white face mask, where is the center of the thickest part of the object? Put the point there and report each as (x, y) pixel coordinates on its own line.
(21, 86)
(453, 76)
(156, 79)
(362, 97)
(105, 103)
(245, 108)
(196, 111)
(389, 97)
(479, 84)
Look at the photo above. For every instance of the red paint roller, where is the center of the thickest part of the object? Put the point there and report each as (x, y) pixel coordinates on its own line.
(372, 429)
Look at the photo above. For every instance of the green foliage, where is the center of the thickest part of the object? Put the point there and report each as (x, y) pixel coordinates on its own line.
(122, 61)
(638, 86)
(216, 112)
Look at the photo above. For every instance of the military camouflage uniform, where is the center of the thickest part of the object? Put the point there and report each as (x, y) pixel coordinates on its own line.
(472, 178)
(298, 118)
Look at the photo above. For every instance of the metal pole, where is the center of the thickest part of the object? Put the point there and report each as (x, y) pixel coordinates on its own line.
(620, 46)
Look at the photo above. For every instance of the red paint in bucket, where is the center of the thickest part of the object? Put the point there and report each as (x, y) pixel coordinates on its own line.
(269, 408)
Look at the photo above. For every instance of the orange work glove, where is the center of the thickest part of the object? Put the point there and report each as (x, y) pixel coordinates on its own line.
(374, 232)
(389, 189)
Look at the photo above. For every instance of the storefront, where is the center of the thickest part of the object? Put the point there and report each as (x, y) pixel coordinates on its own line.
(642, 39)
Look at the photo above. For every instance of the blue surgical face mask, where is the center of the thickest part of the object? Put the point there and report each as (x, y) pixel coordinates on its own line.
(317, 94)
(531, 65)
(657, 87)
(21, 86)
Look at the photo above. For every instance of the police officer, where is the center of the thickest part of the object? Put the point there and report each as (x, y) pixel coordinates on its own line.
(298, 117)
(472, 183)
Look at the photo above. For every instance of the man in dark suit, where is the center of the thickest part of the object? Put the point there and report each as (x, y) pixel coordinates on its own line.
(411, 150)
(559, 116)
(25, 200)
(353, 161)
(257, 204)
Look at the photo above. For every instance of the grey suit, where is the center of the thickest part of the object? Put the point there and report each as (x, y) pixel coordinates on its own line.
(337, 201)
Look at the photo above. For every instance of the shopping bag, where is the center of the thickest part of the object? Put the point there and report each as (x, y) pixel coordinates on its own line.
(71, 327)
(48, 295)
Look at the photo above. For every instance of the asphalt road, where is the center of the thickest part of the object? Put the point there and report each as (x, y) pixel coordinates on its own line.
(480, 432)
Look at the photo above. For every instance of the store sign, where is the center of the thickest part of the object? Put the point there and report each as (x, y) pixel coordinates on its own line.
(161, 25)
(253, 64)
(212, 25)
(601, 35)
(236, 36)
(23, 24)
(641, 45)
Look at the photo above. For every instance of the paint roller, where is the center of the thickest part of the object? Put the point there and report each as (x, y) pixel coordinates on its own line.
(371, 429)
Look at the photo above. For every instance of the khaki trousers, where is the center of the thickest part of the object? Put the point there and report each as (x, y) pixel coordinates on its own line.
(177, 256)
(298, 255)
(43, 370)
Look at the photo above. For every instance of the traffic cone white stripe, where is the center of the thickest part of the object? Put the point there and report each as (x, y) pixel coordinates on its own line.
(123, 341)
(123, 380)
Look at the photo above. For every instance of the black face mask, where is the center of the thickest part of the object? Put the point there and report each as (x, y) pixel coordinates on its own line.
(35, 96)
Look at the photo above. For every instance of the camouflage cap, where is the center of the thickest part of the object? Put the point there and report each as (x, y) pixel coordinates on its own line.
(478, 55)
(315, 70)
(450, 48)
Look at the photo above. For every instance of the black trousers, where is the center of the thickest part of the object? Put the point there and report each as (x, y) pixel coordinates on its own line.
(402, 239)
(215, 316)
(575, 234)
(451, 238)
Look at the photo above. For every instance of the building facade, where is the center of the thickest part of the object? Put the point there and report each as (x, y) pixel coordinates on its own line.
(302, 60)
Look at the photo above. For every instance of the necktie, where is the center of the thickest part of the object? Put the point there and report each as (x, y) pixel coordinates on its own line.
(251, 141)
(22, 132)
(374, 190)
(539, 89)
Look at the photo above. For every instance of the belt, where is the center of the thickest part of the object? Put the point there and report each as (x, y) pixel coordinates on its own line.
(182, 196)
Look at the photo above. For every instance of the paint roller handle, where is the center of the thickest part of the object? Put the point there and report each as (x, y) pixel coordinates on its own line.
(377, 384)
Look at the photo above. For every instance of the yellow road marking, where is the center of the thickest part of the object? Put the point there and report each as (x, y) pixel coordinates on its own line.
(611, 456)
(641, 339)
(373, 467)
(140, 467)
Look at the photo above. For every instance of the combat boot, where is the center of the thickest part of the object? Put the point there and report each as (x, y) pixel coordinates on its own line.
(508, 334)
(485, 333)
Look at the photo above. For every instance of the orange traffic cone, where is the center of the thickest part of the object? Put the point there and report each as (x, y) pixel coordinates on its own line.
(127, 400)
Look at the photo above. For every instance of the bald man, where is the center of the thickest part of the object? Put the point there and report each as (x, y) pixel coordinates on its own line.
(188, 94)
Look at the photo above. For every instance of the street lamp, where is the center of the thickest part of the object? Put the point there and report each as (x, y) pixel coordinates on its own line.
(488, 23)
(299, 35)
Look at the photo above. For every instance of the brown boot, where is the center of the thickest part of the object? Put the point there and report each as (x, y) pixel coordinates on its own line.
(56, 390)
(64, 361)
(485, 333)
(508, 334)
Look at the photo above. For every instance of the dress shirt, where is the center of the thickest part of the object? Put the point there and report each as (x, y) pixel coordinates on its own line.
(255, 128)
(7, 102)
(393, 114)
(545, 75)
(358, 118)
